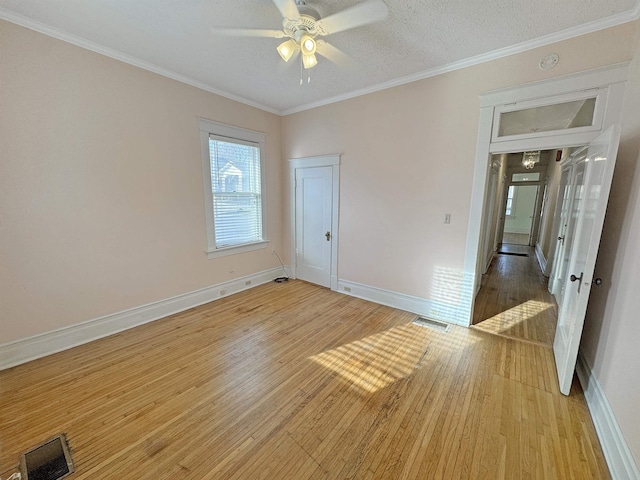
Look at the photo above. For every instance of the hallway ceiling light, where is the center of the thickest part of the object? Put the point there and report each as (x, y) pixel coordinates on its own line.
(529, 159)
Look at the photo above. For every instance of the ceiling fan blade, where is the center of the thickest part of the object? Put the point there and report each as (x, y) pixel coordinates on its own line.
(247, 32)
(356, 16)
(288, 9)
(333, 54)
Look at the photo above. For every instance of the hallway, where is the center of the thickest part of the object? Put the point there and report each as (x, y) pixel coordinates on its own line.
(513, 301)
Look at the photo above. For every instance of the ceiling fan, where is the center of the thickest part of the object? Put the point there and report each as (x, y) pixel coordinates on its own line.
(301, 25)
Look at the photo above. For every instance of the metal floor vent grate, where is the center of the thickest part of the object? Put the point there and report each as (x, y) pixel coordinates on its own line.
(432, 324)
(51, 460)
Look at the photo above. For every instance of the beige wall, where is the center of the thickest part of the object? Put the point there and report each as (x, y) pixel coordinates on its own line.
(101, 188)
(408, 157)
(612, 327)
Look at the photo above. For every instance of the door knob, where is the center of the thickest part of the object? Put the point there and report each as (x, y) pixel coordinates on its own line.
(328, 235)
(573, 278)
(597, 281)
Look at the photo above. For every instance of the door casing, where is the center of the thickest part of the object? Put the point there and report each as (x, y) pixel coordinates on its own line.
(609, 81)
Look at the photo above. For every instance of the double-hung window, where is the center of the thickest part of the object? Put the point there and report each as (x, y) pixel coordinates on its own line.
(233, 168)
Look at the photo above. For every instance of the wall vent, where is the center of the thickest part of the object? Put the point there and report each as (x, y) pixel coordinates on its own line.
(432, 324)
(51, 460)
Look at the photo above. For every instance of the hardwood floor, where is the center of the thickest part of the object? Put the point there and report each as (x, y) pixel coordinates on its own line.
(514, 301)
(293, 381)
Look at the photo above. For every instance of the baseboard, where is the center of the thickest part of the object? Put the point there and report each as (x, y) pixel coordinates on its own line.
(420, 306)
(27, 349)
(616, 451)
(520, 231)
(541, 260)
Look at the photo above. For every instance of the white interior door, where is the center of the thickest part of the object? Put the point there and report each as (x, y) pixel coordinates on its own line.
(560, 225)
(489, 246)
(590, 203)
(571, 209)
(313, 210)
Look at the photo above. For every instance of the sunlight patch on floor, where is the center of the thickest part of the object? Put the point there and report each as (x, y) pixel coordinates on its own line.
(505, 322)
(374, 362)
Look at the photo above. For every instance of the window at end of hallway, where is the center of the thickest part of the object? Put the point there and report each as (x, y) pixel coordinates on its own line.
(511, 201)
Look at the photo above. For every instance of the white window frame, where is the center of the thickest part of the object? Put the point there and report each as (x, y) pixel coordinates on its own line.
(210, 129)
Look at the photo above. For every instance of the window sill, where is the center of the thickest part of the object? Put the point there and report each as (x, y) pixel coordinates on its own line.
(247, 247)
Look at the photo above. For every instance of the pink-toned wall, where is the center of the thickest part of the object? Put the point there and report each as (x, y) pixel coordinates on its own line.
(101, 187)
(612, 327)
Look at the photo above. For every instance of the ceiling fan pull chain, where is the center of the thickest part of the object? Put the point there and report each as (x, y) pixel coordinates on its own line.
(301, 62)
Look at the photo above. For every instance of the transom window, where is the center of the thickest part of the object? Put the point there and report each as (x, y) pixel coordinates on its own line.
(525, 177)
(233, 166)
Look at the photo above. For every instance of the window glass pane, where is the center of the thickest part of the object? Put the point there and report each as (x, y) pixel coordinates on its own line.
(510, 198)
(561, 116)
(236, 189)
(525, 177)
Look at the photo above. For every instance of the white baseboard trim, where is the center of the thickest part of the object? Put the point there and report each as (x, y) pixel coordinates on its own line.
(31, 348)
(420, 306)
(541, 260)
(520, 231)
(621, 463)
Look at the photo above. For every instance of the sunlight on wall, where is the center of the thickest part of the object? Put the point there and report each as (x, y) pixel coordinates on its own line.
(376, 361)
(451, 295)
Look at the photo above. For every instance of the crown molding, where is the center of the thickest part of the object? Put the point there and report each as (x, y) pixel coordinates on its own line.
(567, 34)
(117, 55)
(611, 21)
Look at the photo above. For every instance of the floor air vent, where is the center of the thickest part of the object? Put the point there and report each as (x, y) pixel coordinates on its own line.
(432, 324)
(51, 460)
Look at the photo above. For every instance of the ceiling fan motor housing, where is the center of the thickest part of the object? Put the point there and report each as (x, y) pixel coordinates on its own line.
(306, 24)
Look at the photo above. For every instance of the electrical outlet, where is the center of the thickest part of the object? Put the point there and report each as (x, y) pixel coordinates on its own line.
(347, 289)
(223, 292)
(447, 218)
(248, 282)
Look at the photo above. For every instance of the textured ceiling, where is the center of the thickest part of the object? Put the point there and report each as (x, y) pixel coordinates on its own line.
(419, 36)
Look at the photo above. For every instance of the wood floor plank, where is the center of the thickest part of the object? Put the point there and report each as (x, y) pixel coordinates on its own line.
(293, 381)
(514, 301)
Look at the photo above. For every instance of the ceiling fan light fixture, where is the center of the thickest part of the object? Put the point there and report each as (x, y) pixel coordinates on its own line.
(307, 45)
(287, 49)
(309, 61)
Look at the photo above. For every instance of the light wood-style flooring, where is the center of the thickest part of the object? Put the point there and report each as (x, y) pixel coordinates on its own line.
(514, 300)
(293, 381)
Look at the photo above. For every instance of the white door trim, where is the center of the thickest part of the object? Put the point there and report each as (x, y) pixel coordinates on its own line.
(612, 78)
(332, 161)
